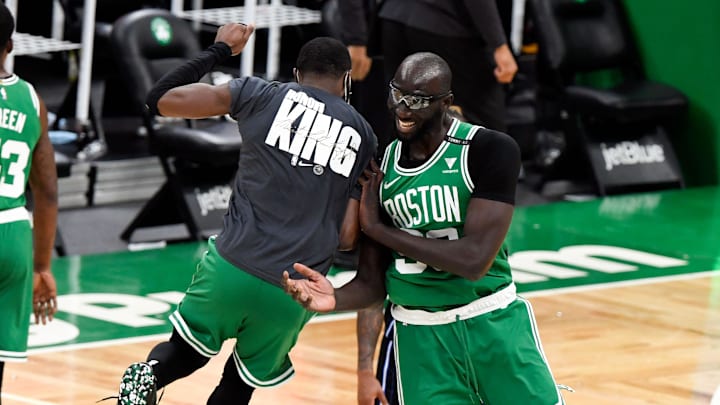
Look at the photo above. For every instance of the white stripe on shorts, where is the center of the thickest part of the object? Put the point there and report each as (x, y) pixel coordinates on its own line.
(14, 215)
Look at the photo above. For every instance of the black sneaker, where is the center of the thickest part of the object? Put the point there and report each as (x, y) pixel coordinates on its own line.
(138, 385)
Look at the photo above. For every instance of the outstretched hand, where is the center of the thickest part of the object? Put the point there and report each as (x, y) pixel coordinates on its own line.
(235, 35)
(370, 201)
(315, 293)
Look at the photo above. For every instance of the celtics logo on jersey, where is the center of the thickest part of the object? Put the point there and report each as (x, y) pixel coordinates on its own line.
(161, 30)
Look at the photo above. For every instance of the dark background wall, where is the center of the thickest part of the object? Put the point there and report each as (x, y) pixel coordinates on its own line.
(680, 45)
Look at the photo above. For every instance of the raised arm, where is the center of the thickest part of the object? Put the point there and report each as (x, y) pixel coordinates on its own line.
(177, 94)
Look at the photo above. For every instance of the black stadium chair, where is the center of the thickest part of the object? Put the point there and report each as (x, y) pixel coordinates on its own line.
(592, 87)
(199, 157)
(63, 166)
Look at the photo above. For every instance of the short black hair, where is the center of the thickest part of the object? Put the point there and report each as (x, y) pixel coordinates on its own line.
(324, 56)
(7, 24)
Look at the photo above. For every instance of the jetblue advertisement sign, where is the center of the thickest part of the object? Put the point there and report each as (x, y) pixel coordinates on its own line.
(644, 160)
(208, 205)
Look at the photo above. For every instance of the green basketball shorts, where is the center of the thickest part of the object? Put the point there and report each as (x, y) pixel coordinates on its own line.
(491, 358)
(225, 302)
(16, 278)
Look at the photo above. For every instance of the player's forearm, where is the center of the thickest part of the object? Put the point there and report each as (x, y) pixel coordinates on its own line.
(368, 286)
(43, 183)
(350, 229)
(44, 226)
(468, 257)
(357, 295)
(369, 324)
(187, 73)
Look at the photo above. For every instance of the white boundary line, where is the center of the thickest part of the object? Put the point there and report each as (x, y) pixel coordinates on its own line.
(25, 400)
(352, 315)
(624, 283)
(160, 336)
(342, 316)
(715, 400)
(101, 343)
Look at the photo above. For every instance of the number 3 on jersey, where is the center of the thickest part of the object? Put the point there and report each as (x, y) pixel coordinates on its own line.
(14, 156)
(402, 264)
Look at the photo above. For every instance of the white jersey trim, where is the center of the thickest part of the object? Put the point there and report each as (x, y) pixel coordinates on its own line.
(465, 163)
(416, 170)
(186, 333)
(10, 80)
(35, 98)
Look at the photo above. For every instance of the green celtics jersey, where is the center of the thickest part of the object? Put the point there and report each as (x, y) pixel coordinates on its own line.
(431, 201)
(19, 133)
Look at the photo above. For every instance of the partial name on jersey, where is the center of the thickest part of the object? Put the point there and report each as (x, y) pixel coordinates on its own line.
(12, 120)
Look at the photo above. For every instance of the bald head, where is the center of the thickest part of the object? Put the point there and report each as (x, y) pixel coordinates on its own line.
(424, 67)
(419, 98)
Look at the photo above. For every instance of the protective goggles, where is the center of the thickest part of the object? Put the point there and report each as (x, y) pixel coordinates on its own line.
(413, 101)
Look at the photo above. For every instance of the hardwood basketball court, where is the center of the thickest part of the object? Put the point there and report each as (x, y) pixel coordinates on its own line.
(626, 291)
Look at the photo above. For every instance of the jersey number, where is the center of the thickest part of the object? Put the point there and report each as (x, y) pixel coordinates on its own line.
(12, 176)
(404, 266)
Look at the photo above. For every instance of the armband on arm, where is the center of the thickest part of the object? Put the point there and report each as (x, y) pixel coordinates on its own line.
(189, 72)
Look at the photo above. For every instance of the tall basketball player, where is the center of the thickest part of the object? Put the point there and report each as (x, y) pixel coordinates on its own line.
(446, 192)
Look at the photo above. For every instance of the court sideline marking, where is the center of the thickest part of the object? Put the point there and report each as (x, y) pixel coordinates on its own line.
(351, 315)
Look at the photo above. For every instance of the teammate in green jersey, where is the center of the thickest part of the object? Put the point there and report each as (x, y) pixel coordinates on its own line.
(435, 217)
(26, 156)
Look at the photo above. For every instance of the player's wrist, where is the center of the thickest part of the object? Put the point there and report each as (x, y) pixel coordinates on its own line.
(221, 49)
(373, 230)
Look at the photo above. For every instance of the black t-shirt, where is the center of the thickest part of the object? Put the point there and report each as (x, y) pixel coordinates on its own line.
(303, 151)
